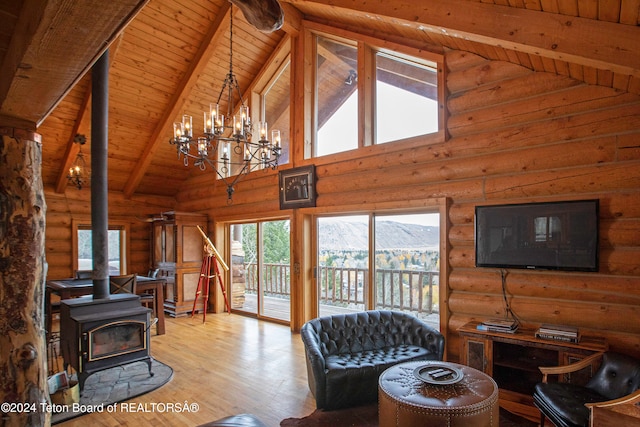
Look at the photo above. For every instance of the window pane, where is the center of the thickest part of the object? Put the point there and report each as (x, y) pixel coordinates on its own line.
(244, 267)
(337, 89)
(277, 112)
(276, 277)
(407, 265)
(85, 254)
(343, 264)
(406, 98)
(260, 267)
(85, 251)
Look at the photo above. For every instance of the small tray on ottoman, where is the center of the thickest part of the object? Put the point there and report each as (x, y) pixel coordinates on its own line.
(438, 374)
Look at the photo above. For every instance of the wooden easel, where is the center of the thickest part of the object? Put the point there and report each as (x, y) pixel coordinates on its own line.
(214, 257)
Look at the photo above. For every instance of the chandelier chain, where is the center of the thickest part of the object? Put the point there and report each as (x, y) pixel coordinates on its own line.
(226, 145)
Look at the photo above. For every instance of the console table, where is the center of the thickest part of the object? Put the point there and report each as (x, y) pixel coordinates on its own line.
(512, 360)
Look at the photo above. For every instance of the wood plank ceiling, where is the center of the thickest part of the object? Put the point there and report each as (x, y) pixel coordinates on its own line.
(169, 57)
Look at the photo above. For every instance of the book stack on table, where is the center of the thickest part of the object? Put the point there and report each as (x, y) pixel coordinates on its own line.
(558, 333)
(507, 326)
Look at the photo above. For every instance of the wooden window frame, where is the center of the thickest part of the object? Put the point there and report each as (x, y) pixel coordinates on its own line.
(85, 224)
(367, 47)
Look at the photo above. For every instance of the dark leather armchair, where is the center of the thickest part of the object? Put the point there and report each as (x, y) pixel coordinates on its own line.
(564, 403)
(346, 353)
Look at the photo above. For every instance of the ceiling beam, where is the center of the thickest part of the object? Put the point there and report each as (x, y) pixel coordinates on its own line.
(176, 103)
(292, 20)
(600, 44)
(55, 44)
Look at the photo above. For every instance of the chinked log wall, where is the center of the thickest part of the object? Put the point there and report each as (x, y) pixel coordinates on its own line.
(516, 135)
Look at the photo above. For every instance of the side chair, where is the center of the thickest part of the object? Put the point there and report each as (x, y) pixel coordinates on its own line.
(148, 299)
(122, 284)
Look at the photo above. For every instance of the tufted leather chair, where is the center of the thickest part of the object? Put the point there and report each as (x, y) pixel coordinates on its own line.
(564, 403)
(346, 353)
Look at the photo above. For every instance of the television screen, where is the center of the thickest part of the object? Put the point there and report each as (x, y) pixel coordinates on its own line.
(555, 236)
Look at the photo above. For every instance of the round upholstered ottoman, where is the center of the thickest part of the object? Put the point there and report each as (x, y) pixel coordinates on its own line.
(460, 397)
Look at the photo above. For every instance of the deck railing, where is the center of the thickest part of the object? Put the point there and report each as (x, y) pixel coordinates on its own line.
(276, 279)
(404, 290)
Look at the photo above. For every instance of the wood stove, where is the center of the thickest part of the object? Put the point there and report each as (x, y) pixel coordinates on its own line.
(97, 334)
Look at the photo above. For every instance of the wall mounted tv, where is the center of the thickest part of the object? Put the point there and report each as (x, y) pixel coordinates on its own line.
(553, 236)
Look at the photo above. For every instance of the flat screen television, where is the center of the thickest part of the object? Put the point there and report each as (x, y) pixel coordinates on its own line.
(550, 235)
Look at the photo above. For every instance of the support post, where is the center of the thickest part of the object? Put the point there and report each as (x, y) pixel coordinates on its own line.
(23, 270)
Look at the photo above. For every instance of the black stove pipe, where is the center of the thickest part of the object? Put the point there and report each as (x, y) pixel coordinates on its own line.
(99, 179)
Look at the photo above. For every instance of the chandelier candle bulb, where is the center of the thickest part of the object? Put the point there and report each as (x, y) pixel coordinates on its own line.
(275, 137)
(244, 113)
(263, 131)
(208, 123)
(238, 128)
(187, 122)
(219, 124)
(177, 131)
(202, 146)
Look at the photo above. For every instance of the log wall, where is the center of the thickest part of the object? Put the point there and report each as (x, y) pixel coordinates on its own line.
(515, 135)
(76, 205)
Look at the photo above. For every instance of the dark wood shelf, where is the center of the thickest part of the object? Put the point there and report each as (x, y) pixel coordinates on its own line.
(513, 361)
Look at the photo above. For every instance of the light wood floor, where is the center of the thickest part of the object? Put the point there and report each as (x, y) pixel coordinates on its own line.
(229, 365)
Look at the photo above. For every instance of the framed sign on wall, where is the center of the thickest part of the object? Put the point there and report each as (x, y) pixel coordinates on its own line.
(297, 187)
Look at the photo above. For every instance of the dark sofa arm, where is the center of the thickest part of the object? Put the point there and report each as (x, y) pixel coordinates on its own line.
(421, 334)
(310, 334)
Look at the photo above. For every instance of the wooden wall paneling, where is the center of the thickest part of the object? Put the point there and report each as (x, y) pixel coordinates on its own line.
(583, 99)
(534, 137)
(620, 261)
(628, 147)
(537, 64)
(62, 209)
(509, 90)
(579, 180)
(454, 189)
(590, 75)
(545, 284)
(606, 122)
(549, 64)
(605, 78)
(621, 82)
(482, 74)
(457, 60)
(562, 68)
(634, 84)
(620, 233)
(535, 290)
(630, 13)
(576, 71)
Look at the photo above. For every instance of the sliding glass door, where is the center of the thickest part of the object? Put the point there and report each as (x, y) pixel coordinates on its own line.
(405, 265)
(260, 269)
(343, 264)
